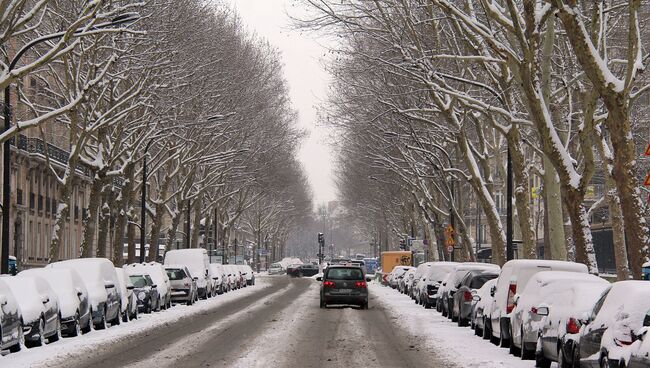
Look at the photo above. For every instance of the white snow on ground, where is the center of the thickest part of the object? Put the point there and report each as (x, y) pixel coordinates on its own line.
(455, 344)
(68, 348)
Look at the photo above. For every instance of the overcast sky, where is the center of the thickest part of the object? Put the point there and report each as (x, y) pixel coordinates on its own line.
(307, 80)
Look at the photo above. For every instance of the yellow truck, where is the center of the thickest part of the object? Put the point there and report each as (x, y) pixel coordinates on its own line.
(394, 258)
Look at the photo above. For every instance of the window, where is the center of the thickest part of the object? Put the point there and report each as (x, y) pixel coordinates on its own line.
(598, 305)
(48, 206)
(54, 206)
(40, 203)
(344, 274)
(176, 274)
(138, 281)
(19, 196)
(76, 213)
(32, 200)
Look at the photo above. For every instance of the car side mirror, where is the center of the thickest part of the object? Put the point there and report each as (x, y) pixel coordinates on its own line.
(216, 278)
(130, 287)
(368, 279)
(542, 311)
(109, 285)
(476, 298)
(45, 299)
(319, 278)
(154, 286)
(642, 332)
(206, 272)
(3, 300)
(493, 290)
(195, 278)
(79, 291)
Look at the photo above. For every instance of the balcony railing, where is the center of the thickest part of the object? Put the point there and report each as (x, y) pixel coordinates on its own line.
(35, 145)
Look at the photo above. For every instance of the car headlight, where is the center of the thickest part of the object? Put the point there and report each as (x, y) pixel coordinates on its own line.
(142, 295)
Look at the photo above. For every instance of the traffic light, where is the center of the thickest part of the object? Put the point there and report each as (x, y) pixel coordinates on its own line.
(321, 238)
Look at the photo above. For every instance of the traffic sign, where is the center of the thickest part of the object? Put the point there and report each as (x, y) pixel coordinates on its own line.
(647, 150)
(450, 249)
(647, 181)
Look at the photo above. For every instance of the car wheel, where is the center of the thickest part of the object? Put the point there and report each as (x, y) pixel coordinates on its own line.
(89, 325)
(605, 362)
(102, 324)
(21, 340)
(57, 334)
(118, 318)
(487, 334)
(364, 305)
(322, 304)
(41, 336)
(504, 343)
(126, 316)
(477, 331)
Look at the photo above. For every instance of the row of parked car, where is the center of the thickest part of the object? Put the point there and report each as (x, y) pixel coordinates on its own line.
(73, 297)
(549, 311)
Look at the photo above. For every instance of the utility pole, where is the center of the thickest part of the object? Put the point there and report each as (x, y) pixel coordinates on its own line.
(510, 253)
(235, 243)
(143, 209)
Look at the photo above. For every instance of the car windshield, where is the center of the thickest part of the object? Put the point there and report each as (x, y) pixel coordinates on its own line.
(138, 281)
(478, 281)
(175, 274)
(345, 274)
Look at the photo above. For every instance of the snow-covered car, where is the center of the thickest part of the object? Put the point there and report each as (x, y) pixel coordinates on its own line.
(420, 271)
(615, 322)
(183, 284)
(544, 307)
(159, 276)
(463, 300)
(72, 296)
(397, 274)
(197, 262)
(11, 329)
(406, 281)
(145, 290)
(482, 301)
(448, 290)
(430, 284)
(276, 269)
(233, 276)
(39, 308)
(513, 279)
(220, 281)
(248, 274)
(100, 279)
(129, 300)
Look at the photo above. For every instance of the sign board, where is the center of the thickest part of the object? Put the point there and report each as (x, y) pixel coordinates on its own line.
(261, 252)
(647, 181)
(450, 249)
(647, 150)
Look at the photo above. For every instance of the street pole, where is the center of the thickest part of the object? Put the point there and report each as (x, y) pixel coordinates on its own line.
(143, 205)
(510, 254)
(6, 149)
(235, 250)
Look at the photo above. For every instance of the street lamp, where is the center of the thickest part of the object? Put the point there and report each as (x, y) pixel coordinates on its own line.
(6, 158)
(143, 205)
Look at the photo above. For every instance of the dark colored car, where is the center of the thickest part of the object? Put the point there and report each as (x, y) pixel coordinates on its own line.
(11, 329)
(146, 293)
(463, 298)
(302, 270)
(344, 285)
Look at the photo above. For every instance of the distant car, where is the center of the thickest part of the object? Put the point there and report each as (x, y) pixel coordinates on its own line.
(293, 268)
(183, 284)
(431, 285)
(11, 329)
(220, 281)
(543, 308)
(197, 261)
(360, 263)
(13, 265)
(463, 299)
(129, 300)
(422, 269)
(72, 295)
(39, 307)
(482, 301)
(404, 284)
(145, 290)
(159, 276)
(276, 269)
(232, 273)
(513, 278)
(303, 270)
(248, 273)
(100, 279)
(616, 321)
(397, 274)
(344, 285)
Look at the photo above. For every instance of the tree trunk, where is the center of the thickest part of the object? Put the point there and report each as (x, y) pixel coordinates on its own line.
(90, 222)
(171, 232)
(198, 205)
(104, 219)
(121, 206)
(62, 212)
(522, 193)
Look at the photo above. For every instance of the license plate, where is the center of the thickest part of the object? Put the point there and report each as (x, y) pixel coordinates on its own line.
(344, 291)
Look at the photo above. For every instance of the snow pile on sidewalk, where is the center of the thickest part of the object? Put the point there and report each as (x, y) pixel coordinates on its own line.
(69, 348)
(453, 343)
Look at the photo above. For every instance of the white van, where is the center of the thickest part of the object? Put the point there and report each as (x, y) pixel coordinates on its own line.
(513, 278)
(198, 262)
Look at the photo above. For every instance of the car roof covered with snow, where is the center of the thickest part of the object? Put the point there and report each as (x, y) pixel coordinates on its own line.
(65, 283)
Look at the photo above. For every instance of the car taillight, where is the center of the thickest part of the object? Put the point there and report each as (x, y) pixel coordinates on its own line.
(360, 284)
(512, 290)
(573, 326)
(467, 296)
(329, 284)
